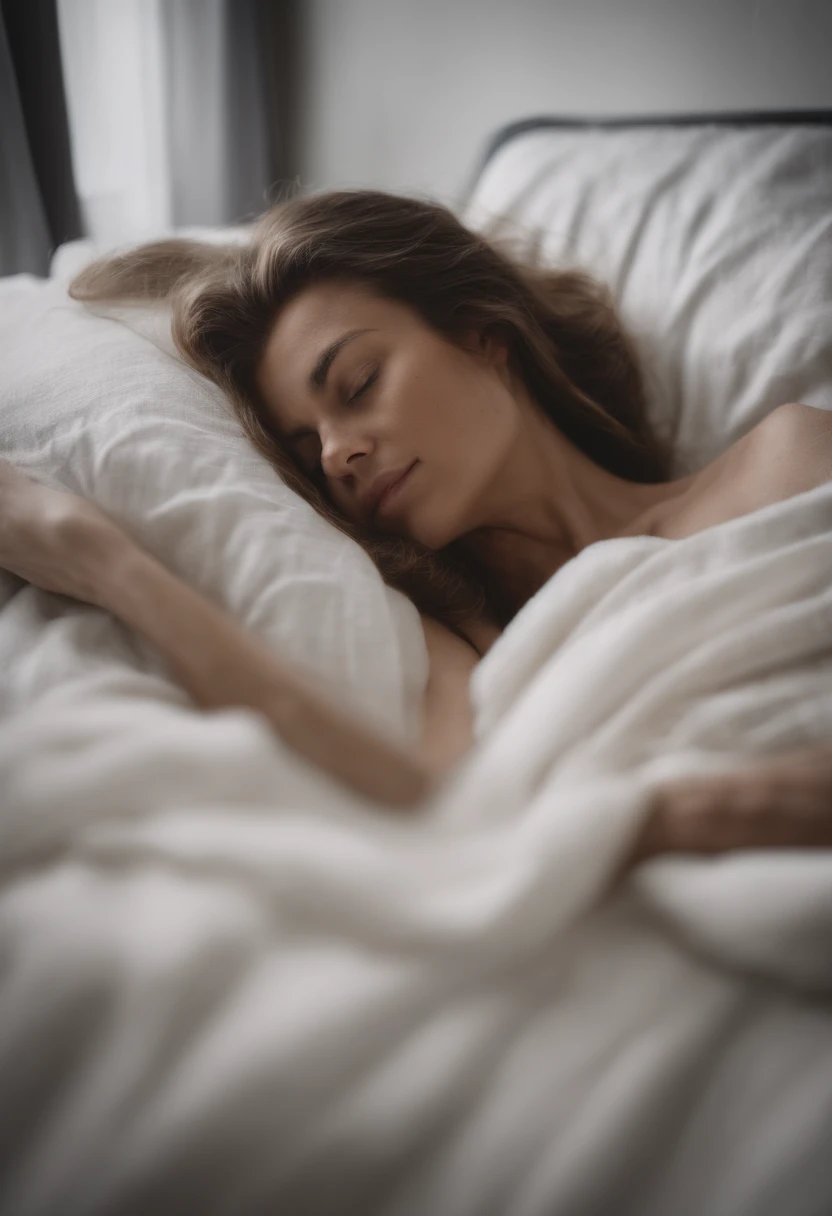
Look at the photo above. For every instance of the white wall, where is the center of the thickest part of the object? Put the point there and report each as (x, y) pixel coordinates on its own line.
(403, 94)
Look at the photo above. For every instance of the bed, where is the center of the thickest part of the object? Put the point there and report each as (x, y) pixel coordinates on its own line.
(229, 987)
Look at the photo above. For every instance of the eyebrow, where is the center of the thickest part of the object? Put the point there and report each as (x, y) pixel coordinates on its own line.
(319, 373)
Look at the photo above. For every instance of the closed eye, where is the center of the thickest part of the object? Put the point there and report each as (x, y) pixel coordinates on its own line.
(371, 379)
(300, 438)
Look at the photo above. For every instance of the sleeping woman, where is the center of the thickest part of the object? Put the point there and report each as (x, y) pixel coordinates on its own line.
(473, 422)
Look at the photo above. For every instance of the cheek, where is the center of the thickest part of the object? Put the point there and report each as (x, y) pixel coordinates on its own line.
(474, 428)
(436, 409)
(460, 472)
(461, 423)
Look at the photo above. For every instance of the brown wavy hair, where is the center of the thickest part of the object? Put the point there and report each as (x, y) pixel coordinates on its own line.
(563, 336)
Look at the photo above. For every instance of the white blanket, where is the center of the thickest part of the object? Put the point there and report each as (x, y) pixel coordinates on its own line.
(231, 988)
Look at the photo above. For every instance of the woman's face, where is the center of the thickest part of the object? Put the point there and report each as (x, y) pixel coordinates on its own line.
(362, 389)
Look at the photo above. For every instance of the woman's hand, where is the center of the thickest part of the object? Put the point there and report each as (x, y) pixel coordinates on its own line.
(783, 802)
(57, 541)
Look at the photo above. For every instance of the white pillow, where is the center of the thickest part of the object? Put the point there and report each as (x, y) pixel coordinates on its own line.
(717, 244)
(103, 408)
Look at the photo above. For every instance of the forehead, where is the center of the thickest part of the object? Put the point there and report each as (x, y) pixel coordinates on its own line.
(319, 311)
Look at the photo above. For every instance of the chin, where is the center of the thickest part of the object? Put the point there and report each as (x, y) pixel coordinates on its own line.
(434, 529)
(435, 534)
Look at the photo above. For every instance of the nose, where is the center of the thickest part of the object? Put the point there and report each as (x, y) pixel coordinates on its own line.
(341, 452)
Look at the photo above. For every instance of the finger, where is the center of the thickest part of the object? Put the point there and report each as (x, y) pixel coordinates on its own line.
(784, 807)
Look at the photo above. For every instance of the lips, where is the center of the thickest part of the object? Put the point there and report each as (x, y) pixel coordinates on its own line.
(383, 486)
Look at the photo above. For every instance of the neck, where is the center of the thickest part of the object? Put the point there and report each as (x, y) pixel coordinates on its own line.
(549, 501)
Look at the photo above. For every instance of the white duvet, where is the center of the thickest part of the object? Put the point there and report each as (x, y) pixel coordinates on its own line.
(230, 988)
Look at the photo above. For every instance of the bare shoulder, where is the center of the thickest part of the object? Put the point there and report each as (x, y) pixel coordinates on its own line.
(797, 439)
(789, 452)
(443, 643)
(798, 422)
(446, 647)
(447, 714)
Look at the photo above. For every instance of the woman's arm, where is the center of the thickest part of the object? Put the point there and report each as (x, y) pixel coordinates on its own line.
(221, 665)
(782, 801)
(65, 544)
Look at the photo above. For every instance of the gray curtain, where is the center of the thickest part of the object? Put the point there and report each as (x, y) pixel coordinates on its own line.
(231, 83)
(38, 204)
